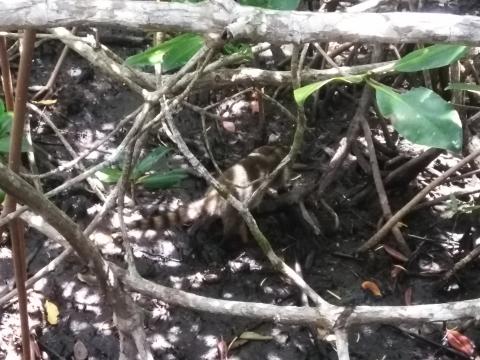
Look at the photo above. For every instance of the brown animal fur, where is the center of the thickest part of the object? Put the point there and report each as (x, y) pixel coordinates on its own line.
(242, 179)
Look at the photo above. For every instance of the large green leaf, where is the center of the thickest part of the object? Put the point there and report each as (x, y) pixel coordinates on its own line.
(162, 180)
(172, 54)
(109, 175)
(430, 57)
(463, 86)
(148, 162)
(421, 116)
(301, 94)
(6, 119)
(272, 4)
(5, 144)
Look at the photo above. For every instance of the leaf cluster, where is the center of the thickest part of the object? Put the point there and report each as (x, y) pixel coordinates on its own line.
(420, 115)
(152, 172)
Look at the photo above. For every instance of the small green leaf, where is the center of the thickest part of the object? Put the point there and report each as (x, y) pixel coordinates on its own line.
(301, 94)
(172, 54)
(272, 4)
(240, 48)
(430, 57)
(463, 86)
(109, 175)
(149, 161)
(2, 195)
(162, 180)
(421, 116)
(2, 106)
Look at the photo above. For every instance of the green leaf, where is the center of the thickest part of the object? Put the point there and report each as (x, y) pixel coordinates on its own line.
(172, 54)
(149, 161)
(109, 175)
(2, 195)
(2, 106)
(463, 86)
(5, 144)
(162, 180)
(241, 48)
(301, 94)
(272, 4)
(421, 116)
(430, 57)
(6, 119)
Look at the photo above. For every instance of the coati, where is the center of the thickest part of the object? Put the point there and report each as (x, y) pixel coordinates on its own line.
(242, 179)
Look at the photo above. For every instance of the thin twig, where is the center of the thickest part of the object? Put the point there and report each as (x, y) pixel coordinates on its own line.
(444, 198)
(202, 111)
(377, 178)
(282, 108)
(472, 255)
(47, 88)
(17, 227)
(399, 215)
(94, 184)
(207, 145)
(6, 74)
(122, 185)
(93, 147)
(327, 58)
(132, 133)
(345, 145)
(31, 156)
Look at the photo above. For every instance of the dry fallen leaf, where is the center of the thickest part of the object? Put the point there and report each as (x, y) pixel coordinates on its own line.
(46, 102)
(460, 342)
(407, 295)
(52, 312)
(251, 335)
(397, 270)
(372, 287)
(397, 255)
(247, 336)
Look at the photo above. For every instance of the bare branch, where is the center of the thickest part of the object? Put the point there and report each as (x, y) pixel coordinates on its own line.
(239, 22)
(399, 215)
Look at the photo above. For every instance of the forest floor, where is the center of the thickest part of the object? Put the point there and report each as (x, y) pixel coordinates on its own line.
(88, 105)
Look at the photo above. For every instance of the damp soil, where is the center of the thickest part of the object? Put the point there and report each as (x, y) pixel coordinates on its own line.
(88, 105)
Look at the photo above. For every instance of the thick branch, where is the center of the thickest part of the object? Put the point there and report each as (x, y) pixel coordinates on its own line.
(341, 316)
(242, 22)
(120, 302)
